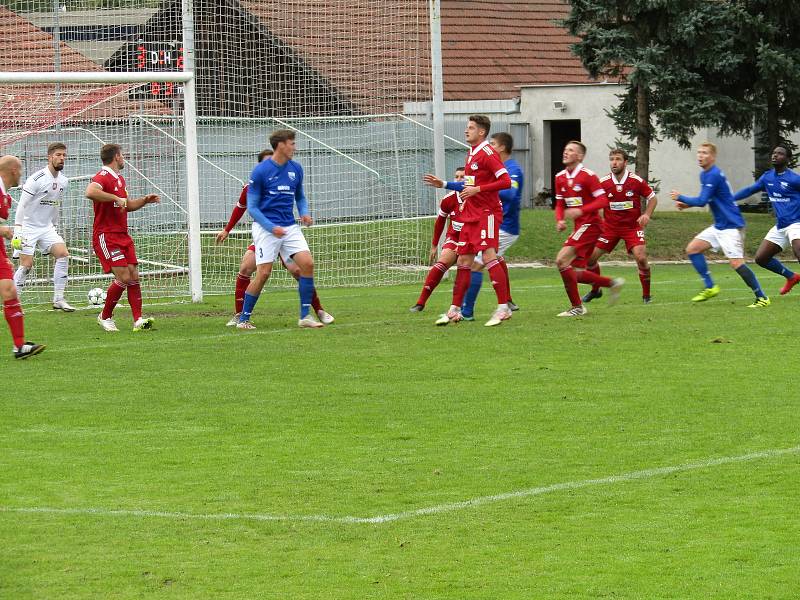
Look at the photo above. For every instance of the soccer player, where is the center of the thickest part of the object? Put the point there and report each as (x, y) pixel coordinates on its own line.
(10, 174)
(276, 185)
(448, 209)
(724, 234)
(484, 176)
(248, 265)
(783, 190)
(510, 198)
(624, 219)
(110, 239)
(579, 195)
(35, 224)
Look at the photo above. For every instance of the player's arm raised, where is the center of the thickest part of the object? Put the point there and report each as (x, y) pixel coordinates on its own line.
(137, 203)
(749, 190)
(707, 188)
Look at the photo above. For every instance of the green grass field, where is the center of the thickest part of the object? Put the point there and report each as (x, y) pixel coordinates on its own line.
(638, 452)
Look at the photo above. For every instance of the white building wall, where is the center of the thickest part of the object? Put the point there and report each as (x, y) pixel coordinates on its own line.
(673, 166)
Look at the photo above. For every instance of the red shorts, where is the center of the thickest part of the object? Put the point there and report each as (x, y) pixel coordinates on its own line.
(114, 250)
(583, 240)
(6, 271)
(478, 236)
(451, 241)
(610, 237)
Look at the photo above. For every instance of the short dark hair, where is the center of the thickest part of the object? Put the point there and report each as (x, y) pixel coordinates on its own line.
(785, 148)
(55, 146)
(481, 121)
(580, 145)
(505, 140)
(619, 152)
(264, 154)
(281, 135)
(109, 152)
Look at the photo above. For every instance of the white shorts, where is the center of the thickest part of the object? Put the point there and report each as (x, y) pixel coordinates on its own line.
(730, 241)
(268, 246)
(44, 239)
(504, 241)
(783, 237)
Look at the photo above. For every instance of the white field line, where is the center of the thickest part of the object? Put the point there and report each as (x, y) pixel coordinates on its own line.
(419, 512)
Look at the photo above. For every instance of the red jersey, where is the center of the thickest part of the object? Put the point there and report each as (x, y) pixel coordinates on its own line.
(625, 199)
(485, 169)
(108, 217)
(449, 208)
(577, 189)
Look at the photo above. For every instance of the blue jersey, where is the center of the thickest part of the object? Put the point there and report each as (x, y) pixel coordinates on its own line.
(273, 191)
(511, 198)
(716, 192)
(783, 191)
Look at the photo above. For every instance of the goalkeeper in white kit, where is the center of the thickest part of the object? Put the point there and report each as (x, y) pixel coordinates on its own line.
(35, 224)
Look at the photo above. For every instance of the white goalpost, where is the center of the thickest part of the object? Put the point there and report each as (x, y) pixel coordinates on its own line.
(191, 89)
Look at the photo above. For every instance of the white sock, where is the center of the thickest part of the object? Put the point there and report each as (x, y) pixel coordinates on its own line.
(60, 277)
(20, 276)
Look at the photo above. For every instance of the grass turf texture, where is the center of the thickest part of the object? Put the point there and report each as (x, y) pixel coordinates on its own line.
(382, 413)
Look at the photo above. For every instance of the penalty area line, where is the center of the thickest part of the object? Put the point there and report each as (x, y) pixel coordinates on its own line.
(419, 512)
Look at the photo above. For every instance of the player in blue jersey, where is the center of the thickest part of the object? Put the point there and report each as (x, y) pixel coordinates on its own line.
(724, 234)
(275, 187)
(783, 190)
(511, 198)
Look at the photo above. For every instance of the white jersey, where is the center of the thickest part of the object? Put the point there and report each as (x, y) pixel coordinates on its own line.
(40, 201)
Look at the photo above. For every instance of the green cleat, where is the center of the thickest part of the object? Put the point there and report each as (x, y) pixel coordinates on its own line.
(706, 294)
(760, 303)
(143, 324)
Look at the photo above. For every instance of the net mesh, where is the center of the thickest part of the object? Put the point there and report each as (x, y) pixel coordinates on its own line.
(337, 72)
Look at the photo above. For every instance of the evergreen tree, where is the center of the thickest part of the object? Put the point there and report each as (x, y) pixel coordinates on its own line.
(676, 59)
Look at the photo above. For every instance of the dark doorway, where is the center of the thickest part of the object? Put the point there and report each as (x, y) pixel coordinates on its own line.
(561, 132)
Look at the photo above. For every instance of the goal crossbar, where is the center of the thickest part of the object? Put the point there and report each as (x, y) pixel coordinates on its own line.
(94, 76)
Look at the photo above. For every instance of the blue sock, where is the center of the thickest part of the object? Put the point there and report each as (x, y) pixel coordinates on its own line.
(750, 279)
(475, 283)
(778, 267)
(249, 304)
(305, 286)
(700, 265)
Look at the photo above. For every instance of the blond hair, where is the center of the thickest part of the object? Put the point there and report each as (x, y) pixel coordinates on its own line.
(711, 147)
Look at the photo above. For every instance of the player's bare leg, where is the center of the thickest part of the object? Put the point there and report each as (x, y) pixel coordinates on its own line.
(246, 269)
(257, 283)
(447, 258)
(14, 317)
(60, 255)
(325, 317)
(640, 256)
(305, 287)
(765, 257)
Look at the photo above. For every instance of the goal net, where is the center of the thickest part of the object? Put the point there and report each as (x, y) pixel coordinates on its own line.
(338, 72)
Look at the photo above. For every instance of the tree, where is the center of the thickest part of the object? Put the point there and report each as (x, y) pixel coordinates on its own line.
(769, 75)
(675, 58)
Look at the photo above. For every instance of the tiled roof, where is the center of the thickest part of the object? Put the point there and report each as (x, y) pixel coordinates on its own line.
(519, 44)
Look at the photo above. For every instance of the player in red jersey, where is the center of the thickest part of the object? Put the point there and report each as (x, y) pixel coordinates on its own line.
(579, 196)
(10, 174)
(623, 219)
(448, 209)
(248, 265)
(481, 213)
(110, 239)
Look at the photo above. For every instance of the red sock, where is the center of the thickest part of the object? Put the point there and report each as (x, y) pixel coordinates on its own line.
(113, 295)
(462, 284)
(596, 270)
(15, 320)
(644, 278)
(596, 280)
(499, 279)
(241, 285)
(571, 285)
(135, 299)
(315, 303)
(508, 279)
(431, 281)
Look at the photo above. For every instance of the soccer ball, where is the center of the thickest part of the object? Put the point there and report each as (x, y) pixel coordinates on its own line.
(96, 296)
